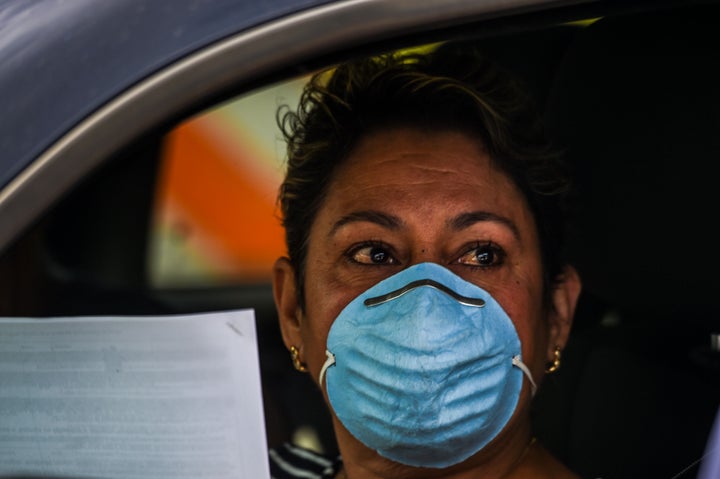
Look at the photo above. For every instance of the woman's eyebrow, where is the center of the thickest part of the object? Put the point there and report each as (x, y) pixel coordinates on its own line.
(465, 220)
(372, 216)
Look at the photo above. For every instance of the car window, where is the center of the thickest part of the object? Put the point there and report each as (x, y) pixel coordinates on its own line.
(214, 218)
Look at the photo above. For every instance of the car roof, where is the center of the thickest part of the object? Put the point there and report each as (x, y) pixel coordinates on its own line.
(62, 60)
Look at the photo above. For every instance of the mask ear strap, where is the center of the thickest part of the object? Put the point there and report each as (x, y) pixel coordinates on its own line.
(518, 362)
(328, 362)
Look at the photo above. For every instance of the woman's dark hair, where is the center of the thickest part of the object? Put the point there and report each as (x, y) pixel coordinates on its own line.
(452, 88)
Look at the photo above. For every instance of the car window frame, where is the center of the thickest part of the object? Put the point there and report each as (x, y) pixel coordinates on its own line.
(222, 69)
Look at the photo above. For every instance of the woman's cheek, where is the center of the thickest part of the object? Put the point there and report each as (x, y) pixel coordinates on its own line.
(316, 327)
(520, 307)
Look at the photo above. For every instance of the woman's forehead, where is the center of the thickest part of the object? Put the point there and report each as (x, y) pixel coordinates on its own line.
(413, 177)
(446, 166)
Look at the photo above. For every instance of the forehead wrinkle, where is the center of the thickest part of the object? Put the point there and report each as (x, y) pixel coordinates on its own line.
(465, 220)
(372, 216)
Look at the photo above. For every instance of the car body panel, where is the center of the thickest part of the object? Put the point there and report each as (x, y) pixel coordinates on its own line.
(66, 59)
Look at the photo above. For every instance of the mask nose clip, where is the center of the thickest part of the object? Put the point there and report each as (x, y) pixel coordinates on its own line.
(384, 298)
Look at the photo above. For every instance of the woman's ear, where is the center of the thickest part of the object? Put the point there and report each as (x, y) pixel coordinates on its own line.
(286, 303)
(565, 296)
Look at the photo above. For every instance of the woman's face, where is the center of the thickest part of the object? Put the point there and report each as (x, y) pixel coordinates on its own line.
(407, 196)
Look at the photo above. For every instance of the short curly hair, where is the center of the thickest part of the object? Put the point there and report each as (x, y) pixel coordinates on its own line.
(454, 87)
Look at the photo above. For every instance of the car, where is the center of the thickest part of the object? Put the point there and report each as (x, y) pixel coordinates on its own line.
(139, 161)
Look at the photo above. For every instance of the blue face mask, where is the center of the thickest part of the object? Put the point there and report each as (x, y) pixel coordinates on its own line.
(424, 367)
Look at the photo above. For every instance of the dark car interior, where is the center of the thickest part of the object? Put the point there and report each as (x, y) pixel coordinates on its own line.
(632, 98)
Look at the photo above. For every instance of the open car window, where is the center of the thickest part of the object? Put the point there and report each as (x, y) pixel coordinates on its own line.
(214, 215)
(180, 217)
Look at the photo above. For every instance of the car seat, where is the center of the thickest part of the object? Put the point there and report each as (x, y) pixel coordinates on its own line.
(635, 105)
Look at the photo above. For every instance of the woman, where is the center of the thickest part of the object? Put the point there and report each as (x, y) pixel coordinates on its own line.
(424, 289)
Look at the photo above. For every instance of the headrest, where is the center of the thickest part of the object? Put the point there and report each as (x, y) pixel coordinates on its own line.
(636, 105)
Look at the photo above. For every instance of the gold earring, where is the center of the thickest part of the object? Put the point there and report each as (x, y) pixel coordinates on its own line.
(555, 364)
(295, 355)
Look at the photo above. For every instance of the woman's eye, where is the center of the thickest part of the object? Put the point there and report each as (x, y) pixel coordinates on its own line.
(372, 254)
(483, 255)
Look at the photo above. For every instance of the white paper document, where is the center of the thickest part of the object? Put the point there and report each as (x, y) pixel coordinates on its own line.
(132, 397)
